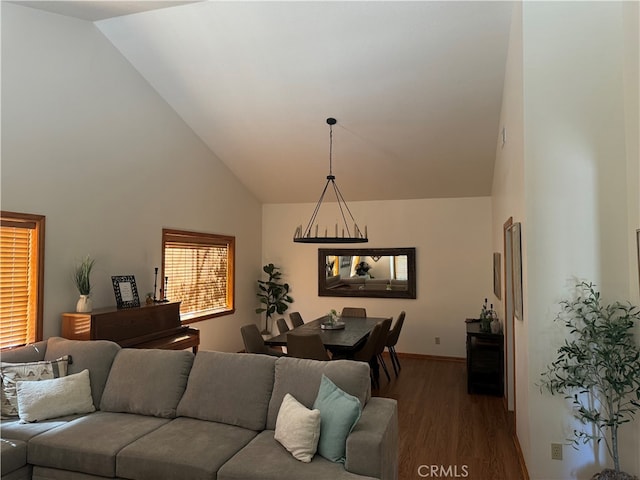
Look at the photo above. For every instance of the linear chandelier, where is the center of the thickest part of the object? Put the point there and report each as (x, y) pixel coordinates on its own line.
(346, 235)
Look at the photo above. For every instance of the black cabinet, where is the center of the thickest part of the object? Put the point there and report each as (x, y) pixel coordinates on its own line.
(485, 361)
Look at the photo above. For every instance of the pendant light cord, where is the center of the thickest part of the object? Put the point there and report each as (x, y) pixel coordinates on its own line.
(331, 150)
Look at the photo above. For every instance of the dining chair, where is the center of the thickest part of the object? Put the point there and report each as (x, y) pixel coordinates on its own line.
(310, 346)
(392, 339)
(354, 312)
(368, 352)
(282, 325)
(382, 343)
(253, 342)
(296, 319)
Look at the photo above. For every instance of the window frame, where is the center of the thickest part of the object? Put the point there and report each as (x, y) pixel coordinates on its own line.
(187, 236)
(15, 219)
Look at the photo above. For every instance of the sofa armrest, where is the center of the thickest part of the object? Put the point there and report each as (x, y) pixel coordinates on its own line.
(372, 446)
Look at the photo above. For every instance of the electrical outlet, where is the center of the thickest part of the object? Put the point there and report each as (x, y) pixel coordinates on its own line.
(556, 451)
(437, 340)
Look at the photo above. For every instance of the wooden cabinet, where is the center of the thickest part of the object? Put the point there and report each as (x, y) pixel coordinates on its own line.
(485, 361)
(148, 326)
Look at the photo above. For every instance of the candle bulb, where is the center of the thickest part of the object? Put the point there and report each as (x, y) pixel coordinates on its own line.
(316, 229)
(365, 232)
(336, 230)
(325, 232)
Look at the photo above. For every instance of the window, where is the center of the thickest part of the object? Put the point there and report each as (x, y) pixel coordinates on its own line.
(21, 278)
(198, 270)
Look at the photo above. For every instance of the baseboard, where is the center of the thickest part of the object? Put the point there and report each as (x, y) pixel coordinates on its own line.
(438, 358)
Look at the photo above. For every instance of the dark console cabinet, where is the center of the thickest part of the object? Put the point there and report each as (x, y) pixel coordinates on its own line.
(485, 361)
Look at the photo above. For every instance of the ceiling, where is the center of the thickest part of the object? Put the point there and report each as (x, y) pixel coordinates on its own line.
(416, 88)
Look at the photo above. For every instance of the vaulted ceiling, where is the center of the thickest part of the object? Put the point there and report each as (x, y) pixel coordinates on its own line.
(416, 88)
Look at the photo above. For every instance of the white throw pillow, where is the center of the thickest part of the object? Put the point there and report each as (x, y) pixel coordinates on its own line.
(298, 429)
(12, 373)
(54, 398)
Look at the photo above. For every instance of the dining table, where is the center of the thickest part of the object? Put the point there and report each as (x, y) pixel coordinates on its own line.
(341, 342)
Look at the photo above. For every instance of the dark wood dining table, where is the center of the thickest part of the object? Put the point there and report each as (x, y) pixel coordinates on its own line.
(343, 342)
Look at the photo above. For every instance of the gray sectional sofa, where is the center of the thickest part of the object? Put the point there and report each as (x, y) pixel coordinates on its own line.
(162, 414)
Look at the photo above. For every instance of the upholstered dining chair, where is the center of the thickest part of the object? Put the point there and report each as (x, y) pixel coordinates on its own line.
(382, 343)
(306, 346)
(392, 339)
(368, 353)
(296, 319)
(354, 312)
(253, 342)
(282, 325)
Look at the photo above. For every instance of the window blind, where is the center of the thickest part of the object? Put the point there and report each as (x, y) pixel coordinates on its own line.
(199, 273)
(18, 282)
(401, 267)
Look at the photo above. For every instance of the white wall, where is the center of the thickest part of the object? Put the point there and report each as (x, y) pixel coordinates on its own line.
(453, 253)
(577, 221)
(508, 201)
(89, 144)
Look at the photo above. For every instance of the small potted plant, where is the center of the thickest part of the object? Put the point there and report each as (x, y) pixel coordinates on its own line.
(82, 278)
(362, 269)
(598, 370)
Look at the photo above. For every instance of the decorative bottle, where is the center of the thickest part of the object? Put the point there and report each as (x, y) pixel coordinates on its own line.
(485, 318)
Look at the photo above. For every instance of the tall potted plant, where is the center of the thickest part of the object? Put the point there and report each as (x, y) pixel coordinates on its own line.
(598, 369)
(273, 294)
(82, 278)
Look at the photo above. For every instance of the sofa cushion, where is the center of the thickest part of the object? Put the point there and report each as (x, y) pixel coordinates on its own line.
(89, 444)
(12, 373)
(53, 398)
(183, 448)
(34, 352)
(277, 464)
(147, 382)
(43, 473)
(298, 429)
(96, 356)
(232, 388)
(301, 378)
(339, 412)
(17, 430)
(14, 455)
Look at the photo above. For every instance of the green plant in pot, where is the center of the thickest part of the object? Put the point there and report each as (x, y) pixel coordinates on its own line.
(82, 279)
(598, 370)
(273, 294)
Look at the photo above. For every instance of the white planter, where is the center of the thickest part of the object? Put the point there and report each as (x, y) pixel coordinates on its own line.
(84, 304)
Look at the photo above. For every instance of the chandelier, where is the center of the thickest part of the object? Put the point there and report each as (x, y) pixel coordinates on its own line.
(346, 234)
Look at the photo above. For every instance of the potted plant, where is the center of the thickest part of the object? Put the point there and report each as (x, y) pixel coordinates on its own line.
(273, 294)
(598, 369)
(362, 269)
(82, 278)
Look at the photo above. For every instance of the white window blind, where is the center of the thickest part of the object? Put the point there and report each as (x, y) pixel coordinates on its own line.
(199, 273)
(401, 267)
(21, 266)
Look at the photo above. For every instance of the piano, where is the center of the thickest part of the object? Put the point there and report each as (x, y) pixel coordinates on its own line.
(150, 326)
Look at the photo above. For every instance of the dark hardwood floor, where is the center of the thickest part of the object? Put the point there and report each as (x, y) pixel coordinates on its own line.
(445, 432)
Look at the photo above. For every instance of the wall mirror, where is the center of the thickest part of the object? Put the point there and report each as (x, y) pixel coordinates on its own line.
(367, 272)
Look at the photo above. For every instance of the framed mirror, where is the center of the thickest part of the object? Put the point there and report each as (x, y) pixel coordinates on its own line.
(367, 272)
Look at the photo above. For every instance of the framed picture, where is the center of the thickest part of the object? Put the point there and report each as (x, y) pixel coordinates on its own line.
(497, 288)
(124, 287)
(516, 248)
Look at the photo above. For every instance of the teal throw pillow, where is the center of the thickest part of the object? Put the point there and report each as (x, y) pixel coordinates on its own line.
(339, 412)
